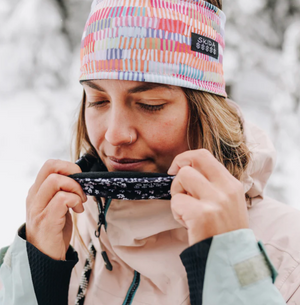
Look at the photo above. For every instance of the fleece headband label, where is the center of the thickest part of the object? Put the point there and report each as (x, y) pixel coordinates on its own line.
(205, 45)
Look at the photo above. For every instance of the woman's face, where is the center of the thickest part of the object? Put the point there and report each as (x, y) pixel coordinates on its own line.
(136, 126)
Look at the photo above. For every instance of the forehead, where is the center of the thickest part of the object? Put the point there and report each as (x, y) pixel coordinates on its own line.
(130, 87)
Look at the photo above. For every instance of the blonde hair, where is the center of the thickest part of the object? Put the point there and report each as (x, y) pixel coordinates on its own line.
(216, 126)
(217, 3)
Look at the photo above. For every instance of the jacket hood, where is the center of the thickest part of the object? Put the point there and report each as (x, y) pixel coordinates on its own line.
(263, 157)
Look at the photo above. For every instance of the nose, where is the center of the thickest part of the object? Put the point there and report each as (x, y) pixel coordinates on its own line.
(120, 127)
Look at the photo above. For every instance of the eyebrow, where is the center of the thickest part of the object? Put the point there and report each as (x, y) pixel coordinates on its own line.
(140, 88)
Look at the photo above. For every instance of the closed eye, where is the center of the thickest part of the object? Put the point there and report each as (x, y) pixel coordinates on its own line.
(151, 108)
(98, 103)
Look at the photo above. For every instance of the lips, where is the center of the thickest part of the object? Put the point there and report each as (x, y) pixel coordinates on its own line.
(125, 164)
(126, 160)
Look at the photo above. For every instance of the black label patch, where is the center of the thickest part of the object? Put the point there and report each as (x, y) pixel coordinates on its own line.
(205, 45)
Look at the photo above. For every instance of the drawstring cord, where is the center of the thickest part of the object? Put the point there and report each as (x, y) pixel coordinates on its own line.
(101, 210)
(85, 277)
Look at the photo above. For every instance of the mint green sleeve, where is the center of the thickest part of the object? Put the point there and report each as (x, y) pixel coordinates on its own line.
(15, 276)
(238, 271)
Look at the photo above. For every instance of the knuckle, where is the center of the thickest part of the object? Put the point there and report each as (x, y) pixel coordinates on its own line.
(51, 163)
(208, 211)
(213, 212)
(183, 156)
(185, 171)
(204, 153)
(65, 166)
(223, 198)
(53, 178)
(57, 165)
(61, 197)
(218, 210)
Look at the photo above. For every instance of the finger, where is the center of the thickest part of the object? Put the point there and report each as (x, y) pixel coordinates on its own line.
(53, 184)
(54, 166)
(60, 204)
(190, 181)
(185, 208)
(179, 198)
(203, 161)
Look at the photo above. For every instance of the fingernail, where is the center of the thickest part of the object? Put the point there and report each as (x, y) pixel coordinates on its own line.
(172, 172)
(84, 197)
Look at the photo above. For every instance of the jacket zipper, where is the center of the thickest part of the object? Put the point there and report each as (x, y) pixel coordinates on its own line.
(101, 221)
(102, 215)
(107, 204)
(136, 278)
(132, 289)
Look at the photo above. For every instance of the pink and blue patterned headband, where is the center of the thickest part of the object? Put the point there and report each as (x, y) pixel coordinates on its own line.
(174, 42)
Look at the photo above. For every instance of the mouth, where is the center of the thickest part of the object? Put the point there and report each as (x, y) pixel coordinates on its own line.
(126, 160)
(126, 164)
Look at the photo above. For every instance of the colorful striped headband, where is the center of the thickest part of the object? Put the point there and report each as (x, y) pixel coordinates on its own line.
(174, 42)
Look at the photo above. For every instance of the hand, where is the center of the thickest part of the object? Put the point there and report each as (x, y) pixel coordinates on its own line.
(206, 198)
(48, 220)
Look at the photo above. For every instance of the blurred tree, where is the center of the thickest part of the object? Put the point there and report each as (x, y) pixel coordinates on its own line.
(34, 49)
(263, 41)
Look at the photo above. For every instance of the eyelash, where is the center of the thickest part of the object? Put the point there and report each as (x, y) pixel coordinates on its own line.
(152, 108)
(96, 104)
(147, 107)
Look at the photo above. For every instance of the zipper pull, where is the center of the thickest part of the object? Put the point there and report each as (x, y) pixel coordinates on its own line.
(97, 231)
(100, 223)
(107, 263)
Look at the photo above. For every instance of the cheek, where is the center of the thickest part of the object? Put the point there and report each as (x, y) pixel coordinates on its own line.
(94, 129)
(170, 137)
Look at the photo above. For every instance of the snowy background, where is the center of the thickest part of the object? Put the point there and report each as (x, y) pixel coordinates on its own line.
(40, 93)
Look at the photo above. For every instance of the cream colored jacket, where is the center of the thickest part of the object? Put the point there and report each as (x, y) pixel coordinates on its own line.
(143, 236)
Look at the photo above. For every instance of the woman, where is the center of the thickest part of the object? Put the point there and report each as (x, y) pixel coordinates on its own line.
(154, 101)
